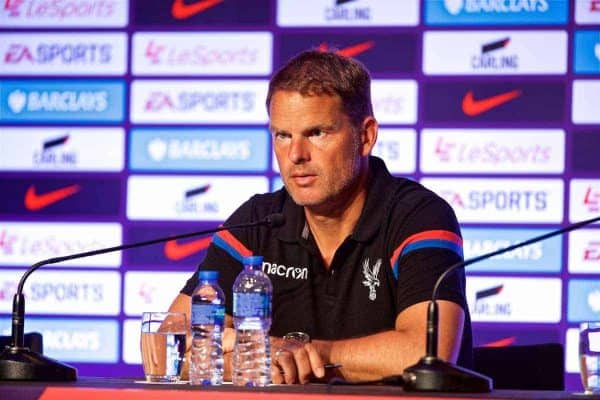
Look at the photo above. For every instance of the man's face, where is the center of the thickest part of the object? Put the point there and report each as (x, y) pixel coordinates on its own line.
(318, 151)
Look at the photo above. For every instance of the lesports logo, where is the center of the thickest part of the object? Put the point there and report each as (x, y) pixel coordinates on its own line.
(472, 107)
(181, 10)
(35, 202)
(584, 197)
(176, 251)
(591, 199)
(494, 102)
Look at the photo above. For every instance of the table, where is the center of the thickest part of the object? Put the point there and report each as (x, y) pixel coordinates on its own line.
(127, 389)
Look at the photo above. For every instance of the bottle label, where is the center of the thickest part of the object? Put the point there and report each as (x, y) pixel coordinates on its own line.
(251, 305)
(208, 314)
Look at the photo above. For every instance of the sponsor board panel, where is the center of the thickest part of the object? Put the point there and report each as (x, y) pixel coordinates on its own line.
(64, 14)
(584, 199)
(64, 292)
(61, 197)
(485, 151)
(291, 13)
(182, 253)
(202, 54)
(572, 351)
(74, 339)
(58, 149)
(483, 12)
(544, 256)
(145, 290)
(583, 149)
(494, 52)
(587, 52)
(276, 183)
(518, 335)
(503, 299)
(584, 300)
(208, 198)
(398, 148)
(99, 101)
(394, 101)
(587, 12)
(233, 149)
(48, 53)
(499, 102)
(199, 101)
(131, 341)
(203, 13)
(381, 53)
(25, 243)
(501, 200)
(586, 97)
(584, 251)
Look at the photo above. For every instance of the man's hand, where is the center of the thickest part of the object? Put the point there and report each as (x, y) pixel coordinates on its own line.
(295, 362)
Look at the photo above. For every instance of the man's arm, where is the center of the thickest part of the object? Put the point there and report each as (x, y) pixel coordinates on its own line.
(379, 355)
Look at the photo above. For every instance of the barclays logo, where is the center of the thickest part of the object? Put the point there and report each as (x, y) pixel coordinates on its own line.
(83, 101)
(494, 12)
(587, 52)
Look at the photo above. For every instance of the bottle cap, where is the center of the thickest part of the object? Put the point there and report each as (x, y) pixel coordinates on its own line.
(252, 260)
(205, 275)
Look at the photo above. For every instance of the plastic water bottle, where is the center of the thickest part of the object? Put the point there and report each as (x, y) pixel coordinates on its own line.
(208, 313)
(252, 293)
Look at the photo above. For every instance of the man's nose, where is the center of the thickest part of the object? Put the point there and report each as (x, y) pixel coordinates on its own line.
(299, 151)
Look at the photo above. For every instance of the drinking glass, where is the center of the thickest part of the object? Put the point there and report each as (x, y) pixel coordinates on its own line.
(163, 345)
(589, 356)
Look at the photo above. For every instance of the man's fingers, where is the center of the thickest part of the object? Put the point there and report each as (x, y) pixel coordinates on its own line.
(315, 360)
(228, 340)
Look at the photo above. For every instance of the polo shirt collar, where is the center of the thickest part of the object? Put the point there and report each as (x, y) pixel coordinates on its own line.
(374, 210)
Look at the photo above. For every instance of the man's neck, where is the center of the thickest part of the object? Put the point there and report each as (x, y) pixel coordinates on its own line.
(330, 228)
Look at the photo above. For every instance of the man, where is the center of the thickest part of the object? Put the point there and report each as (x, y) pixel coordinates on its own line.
(356, 260)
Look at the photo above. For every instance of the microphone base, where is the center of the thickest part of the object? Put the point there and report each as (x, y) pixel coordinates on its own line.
(431, 374)
(22, 364)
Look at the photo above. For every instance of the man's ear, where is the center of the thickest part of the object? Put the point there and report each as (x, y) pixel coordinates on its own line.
(368, 135)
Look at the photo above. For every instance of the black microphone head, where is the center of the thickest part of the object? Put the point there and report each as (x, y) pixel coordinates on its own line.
(275, 220)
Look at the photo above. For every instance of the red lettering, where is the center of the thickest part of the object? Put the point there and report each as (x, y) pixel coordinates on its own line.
(17, 52)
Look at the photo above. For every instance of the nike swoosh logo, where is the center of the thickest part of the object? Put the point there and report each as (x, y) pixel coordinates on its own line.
(178, 251)
(350, 51)
(472, 107)
(180, 10)
(35, 202)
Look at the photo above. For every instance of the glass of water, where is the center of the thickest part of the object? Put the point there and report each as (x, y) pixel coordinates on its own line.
(163, 345)
(589, 356)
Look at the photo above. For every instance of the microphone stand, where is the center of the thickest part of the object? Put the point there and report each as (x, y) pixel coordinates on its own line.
(432, 374)
(18, 362)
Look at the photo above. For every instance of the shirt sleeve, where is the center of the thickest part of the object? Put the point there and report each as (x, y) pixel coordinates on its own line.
(427, 242)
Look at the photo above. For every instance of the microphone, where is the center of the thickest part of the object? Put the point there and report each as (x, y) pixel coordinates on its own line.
(19, 363)
(432, 374)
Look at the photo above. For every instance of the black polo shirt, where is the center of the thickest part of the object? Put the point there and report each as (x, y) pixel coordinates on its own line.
(405, 238)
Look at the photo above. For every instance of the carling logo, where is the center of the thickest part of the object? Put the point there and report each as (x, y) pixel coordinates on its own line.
(587, 12)
(23, 243)
(75, 339)
(543, 256)
(217, 102)
(62, 149)
(586, 97)
(204, 149)
(584, 300)
(584, 195)
(98, 101)
(502, 299)
(348, 13)
(394, 101)
(201, 54)
(398, 148)
(63, 53)
(70, 292)
(57, 13)
(145, 290)
(501, 200)
(207, 198)
(485, 12)
(484, 151)
(372, 49)
(494, 53)
(587, 52)
(584, 251)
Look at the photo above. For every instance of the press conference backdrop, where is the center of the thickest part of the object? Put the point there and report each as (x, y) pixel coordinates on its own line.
(125, 120)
